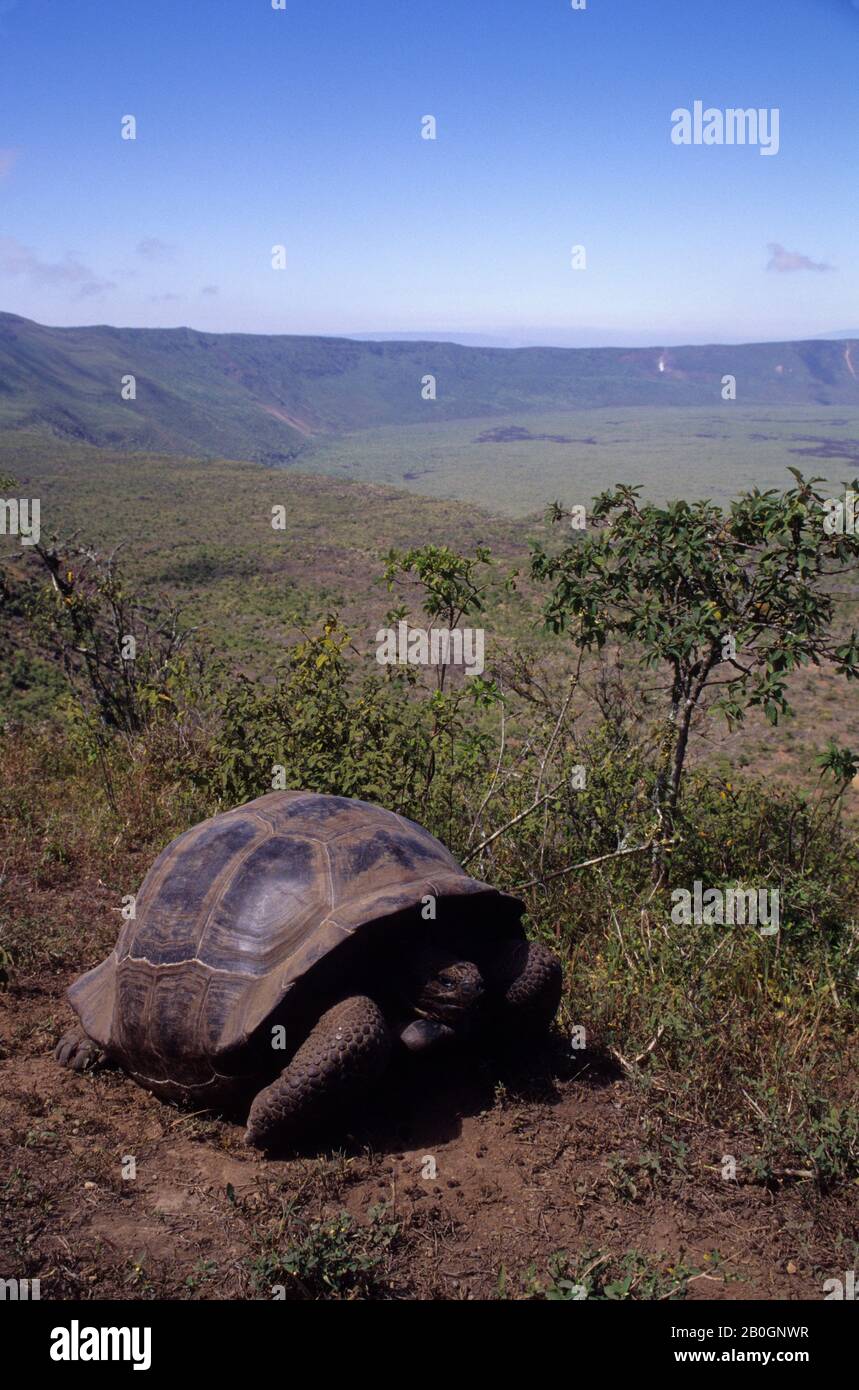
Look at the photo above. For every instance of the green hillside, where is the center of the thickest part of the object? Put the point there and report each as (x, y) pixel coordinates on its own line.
(264, 398)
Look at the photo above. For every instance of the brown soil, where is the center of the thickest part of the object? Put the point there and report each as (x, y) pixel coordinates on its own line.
(533, 1156)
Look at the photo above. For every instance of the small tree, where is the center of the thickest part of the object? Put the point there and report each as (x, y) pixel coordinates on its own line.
(119, 655)
(736, 601)
(448, 583)
(450, 589)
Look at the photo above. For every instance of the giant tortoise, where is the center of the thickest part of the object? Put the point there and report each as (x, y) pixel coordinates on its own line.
(284, 949)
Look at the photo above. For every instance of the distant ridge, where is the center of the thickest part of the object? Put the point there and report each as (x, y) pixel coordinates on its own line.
(263, 398)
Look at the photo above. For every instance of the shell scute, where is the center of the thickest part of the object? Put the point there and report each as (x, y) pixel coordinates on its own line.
(183, 886)
(370, 858)
(277, 895)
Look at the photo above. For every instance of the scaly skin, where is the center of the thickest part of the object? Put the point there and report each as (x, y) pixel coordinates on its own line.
(78, 1052)
(343, 1056)
(529, 980)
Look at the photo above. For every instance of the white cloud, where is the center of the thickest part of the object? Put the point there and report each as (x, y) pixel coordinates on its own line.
(784, 261)
(152, 248)
(17, 259)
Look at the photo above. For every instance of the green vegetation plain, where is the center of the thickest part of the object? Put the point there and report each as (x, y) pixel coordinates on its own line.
(515, 464)
(198, 532)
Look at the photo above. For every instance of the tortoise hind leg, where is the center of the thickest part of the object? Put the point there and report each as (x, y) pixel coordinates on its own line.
(340, 1060)
(78, 1051)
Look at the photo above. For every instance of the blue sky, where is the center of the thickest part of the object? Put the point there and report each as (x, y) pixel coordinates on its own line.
(301, 127)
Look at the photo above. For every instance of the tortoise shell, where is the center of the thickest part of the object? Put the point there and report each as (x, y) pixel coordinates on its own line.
(238, 911)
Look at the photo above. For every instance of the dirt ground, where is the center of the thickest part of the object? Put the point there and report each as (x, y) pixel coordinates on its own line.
(483, 1169)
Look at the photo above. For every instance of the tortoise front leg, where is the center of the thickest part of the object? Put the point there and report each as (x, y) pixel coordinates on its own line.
(526, 980)
(340, 1060)
(78, 1051)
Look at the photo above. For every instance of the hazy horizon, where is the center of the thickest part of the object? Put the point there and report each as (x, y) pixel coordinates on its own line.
(514, 342)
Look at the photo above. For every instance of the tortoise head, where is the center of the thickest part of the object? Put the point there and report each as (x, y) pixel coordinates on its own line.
(447, 990)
